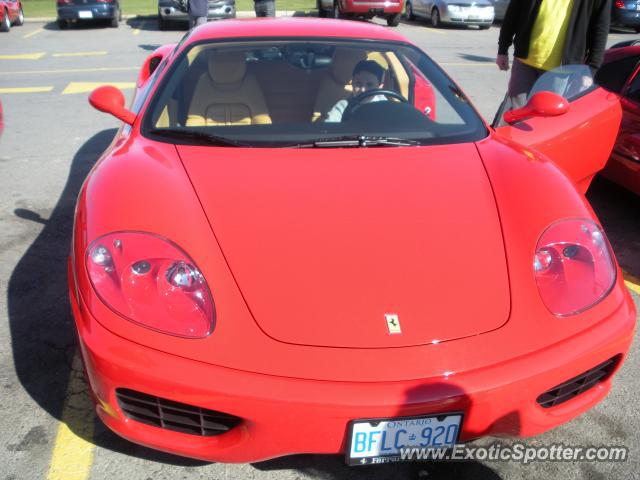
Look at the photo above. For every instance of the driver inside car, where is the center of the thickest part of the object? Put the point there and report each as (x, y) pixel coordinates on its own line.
(367, 75)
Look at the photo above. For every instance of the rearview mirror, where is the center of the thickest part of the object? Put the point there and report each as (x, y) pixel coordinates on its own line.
(541, 104)
(109, 99)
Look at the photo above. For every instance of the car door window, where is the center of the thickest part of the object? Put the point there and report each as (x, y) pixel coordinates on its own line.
(570, 81)
(614, 75)
(633, 92)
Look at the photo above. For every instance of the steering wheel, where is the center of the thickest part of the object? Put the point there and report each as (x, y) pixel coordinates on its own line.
(357, 101)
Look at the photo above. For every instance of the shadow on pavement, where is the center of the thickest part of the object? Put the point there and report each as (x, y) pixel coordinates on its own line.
(618, 209)
(84, 25)
(476, 58)
(150, 23)
(43, 335)
(332, 467)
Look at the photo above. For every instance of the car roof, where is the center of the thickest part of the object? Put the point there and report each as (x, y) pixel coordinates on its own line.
(292, 27)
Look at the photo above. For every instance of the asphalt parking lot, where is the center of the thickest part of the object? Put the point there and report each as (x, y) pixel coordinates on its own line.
(51, 140)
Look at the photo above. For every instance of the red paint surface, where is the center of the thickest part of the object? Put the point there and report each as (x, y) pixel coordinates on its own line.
(289, 239)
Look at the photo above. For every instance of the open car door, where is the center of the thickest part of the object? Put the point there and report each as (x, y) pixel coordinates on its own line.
(579, 140)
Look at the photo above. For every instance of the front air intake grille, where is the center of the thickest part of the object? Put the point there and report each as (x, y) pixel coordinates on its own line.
(179, 417)
(577, 385)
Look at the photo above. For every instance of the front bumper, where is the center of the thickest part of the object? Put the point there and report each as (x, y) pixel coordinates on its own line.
(468, 17)
(283, 415)
(81, 12)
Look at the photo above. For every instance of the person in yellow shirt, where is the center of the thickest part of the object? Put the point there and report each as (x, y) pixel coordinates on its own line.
(547, 34)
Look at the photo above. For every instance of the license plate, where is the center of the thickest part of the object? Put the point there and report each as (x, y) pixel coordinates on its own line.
(379, 440)
(85, 14)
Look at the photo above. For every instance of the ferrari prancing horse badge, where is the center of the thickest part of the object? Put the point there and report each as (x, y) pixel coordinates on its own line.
(393, 323)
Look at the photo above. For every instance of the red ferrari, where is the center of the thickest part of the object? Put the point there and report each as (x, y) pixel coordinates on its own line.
(620, 73)
(304, 239)
(10, 14)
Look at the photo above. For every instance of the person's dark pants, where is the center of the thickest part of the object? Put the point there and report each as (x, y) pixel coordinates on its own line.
(195, 21)
(522, 79)
(265, 8)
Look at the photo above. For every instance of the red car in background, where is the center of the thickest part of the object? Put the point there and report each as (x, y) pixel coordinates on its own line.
(252, 278)
(389, 9)
(620, 73)
(10, 14)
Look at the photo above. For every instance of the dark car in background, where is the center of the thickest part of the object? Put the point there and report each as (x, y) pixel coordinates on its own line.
(75, 11)
(170, 11)
(10, 14)
(626, 13)
(500, 9)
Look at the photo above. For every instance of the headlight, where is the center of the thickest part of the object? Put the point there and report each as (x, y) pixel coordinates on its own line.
(573, 266)
(454, 8)
(152, 282)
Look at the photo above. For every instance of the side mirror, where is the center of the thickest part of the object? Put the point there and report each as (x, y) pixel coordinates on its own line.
(541, 104)
(109, 99)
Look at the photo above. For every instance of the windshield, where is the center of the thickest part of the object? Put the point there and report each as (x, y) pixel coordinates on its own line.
(294, 93)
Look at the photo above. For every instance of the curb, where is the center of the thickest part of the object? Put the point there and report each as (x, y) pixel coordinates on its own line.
(240, 14)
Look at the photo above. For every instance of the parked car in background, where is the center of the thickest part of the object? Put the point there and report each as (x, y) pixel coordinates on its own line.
(626, 13)
(620, 73)
(171, 11)
(10, 14)
(389, 9)
(75, 11)
(453, 12)
(500, 8)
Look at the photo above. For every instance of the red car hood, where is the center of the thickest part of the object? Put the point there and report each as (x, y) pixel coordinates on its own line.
(324, 242)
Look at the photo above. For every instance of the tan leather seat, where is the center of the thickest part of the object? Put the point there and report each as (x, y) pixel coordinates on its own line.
(336, 85)
(227, 95)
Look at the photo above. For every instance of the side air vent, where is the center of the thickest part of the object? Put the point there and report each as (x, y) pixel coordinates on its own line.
(175, 416)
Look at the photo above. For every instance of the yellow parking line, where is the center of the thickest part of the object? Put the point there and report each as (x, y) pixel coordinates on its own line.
(79, 54)
(136, 31)
(23, 56)
(35, 32)
(71, 70)
(73, 449)
(84, 87)
(435, 30)
(26, 90)
(631, 282)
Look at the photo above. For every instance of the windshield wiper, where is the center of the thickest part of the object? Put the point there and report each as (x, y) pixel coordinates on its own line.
(357, 141)
(197, 136)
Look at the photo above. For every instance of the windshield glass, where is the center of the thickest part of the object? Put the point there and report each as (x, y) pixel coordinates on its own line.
(287, 93)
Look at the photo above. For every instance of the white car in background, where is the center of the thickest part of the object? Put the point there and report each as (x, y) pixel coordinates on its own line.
(452, 12)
